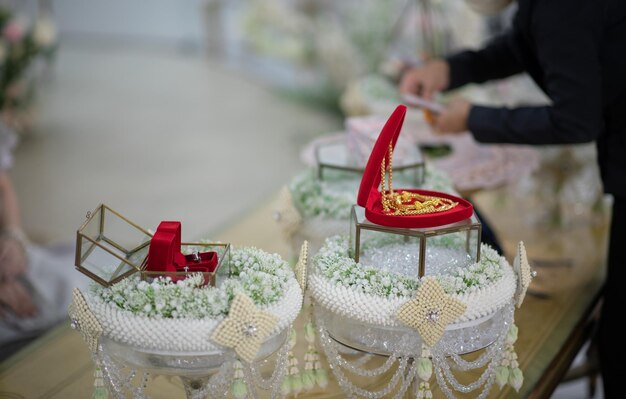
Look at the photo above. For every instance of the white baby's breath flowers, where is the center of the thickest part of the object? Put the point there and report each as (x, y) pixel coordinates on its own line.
(333, 263)
(259, 275)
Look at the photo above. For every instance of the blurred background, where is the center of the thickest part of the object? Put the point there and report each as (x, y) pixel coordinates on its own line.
(125, 102)
(197, 110)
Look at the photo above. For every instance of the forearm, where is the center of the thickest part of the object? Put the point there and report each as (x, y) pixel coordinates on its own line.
(13, 242)
(9, 207)
(529, 125)
(495, 61)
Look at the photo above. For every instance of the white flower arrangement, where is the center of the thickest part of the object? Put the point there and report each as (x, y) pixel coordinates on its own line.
(261, 276)
(333, 197)
(334, 264)
(330, 198)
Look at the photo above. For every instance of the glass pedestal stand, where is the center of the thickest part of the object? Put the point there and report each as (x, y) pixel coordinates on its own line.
(204, 375)
(341, 338)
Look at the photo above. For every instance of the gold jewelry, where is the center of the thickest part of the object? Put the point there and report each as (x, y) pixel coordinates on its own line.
(406, 203)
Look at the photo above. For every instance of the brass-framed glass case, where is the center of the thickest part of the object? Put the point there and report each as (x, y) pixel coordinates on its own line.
(334, 155)
(110, 247)
(456, 244)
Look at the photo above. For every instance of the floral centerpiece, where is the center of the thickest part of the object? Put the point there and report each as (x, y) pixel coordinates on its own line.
(458, 307)
(212, 337)
(412, 283)
(21, 44)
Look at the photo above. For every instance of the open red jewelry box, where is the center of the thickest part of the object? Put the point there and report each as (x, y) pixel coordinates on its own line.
(166, 259)
(370, 198)
(110, 247)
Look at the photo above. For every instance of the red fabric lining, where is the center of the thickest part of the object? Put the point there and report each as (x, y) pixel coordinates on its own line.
(369, 194)
(371, 174)
(462, 211)
(164, 254)
(173, 228)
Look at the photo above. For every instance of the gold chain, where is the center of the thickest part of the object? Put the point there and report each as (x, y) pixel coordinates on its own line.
(390, 169)
(407, 203)
(383, 176)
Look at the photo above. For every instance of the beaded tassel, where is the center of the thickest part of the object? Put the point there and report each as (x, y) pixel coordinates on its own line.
(509, 371)
(239, 389)
(292, 384)
(321, 377)
(424, 372)
(313, 370)
(424, 391)
(308, 376)
(99, 391)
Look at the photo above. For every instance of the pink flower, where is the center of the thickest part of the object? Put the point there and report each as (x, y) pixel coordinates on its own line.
(14, 31)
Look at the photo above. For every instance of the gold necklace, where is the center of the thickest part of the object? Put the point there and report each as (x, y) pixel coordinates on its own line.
(405, 203)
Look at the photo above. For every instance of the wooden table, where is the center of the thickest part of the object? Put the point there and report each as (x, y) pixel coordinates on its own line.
(569, 260)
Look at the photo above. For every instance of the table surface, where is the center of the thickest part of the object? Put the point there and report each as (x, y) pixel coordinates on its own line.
(568, 258)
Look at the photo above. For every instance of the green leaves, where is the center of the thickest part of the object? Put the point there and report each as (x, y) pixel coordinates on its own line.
(516, 378)
(502, 375)
(239, 389)
(321, 377)
(424, 368)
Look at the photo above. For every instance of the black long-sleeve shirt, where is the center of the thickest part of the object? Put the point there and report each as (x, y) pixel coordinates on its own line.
(575, 50)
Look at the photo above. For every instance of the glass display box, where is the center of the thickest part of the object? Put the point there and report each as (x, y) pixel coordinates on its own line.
(334, 156)
(110, 247)
(460, 240)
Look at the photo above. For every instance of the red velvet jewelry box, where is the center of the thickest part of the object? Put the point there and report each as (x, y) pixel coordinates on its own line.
(369, 196)
(373, 227)
(166, 259)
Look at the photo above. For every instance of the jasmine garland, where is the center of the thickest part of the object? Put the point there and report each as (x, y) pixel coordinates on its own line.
(261, 276)
(333, 263)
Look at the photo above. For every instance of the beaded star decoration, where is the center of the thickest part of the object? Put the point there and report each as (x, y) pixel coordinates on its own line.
(84, 321)
(524, 273)
(300, 268)
(286, 214)
(245, 328)
(430, 311)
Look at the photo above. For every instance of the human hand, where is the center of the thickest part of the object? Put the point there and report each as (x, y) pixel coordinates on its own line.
(453, 119)
(16, 298)
(425, 81)
(12, 258)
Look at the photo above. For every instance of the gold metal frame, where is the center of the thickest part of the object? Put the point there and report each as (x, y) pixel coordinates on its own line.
(99, 212)
(80, 257)
(419, 167)
(464, 225)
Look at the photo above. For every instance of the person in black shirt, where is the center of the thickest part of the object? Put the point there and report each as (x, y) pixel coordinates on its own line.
(575, 50)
